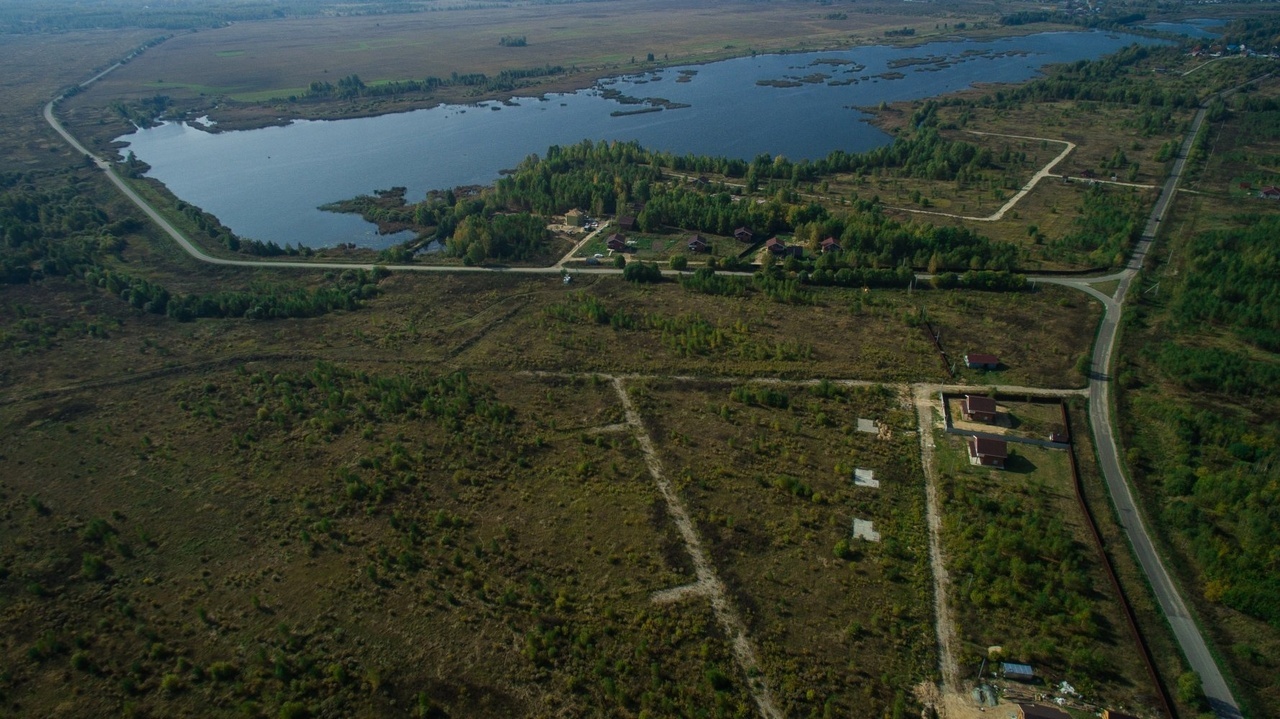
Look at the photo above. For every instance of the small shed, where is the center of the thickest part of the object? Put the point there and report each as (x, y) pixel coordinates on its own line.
(574, 218)
(1019, 672)
(830, 245)
(616, 242)
(627, 223)
(977, 408)
(977, 360)
(742, 234)
(698, 243)
(989, 452)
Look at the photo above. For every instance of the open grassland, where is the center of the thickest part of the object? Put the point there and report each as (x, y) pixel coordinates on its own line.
(842, 624)
(250, 62)
(1201, 426)
(1026, 575)
(455, 546)
(34, 69)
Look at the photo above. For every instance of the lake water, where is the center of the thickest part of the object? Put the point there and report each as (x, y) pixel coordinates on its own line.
(1204, 28)
(266, 184)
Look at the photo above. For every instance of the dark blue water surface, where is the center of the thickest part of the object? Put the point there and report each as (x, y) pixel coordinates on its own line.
(1197, 27)
(267, 184)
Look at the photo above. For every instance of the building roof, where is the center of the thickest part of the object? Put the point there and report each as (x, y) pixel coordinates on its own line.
(1039, 711)
(1270, 190)
(626, 221)
(978, 403)
(996, 449)
(980, 358)
(830, 241)
(697, 238)
(1016, 668)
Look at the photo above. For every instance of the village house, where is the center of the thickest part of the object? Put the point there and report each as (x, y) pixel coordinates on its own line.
(977, 408)
(742, 234)
(1270, 192)
(616, 242)
(573, 218)
(830, 245)
(627, 223)
(988, 452)
(698, 243)
(977, 360)
(778, 248)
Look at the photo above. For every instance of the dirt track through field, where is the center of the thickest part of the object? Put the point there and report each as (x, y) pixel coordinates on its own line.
(708, 583)
(943, 623)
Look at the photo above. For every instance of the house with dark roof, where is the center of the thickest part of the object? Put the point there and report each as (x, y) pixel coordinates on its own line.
(977, 360)
(627, 223)
(977, 408)
(988, 452)
(742, 234)
(830, 245)
(616, 242)
(778, 248)
(698, 243)
(1270, 192)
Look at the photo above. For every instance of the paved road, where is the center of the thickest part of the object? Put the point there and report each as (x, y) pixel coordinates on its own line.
(1166, 592)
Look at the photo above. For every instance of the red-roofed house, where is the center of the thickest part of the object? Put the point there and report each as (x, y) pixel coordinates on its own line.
(978, 408)
(616, 242)
(698, 243)
(1270, 192)
(830, 245)
(778, 248)
(742, 234)
(988, 452)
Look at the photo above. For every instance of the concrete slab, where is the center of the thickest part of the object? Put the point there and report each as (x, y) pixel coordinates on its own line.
(865, 478)
(870, 426)
(862, 530)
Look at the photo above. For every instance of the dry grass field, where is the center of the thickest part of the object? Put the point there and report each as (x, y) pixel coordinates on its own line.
(252, 61)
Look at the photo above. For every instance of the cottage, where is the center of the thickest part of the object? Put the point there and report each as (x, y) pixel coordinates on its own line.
(698, 243)
(775, 246)
(742, 234)
(988, 452)
(830, 245)
(978, 408)
(574, 218)
(616, 242)
(1040, 711)
(1270, 192)
(627, 223)
(976, 360)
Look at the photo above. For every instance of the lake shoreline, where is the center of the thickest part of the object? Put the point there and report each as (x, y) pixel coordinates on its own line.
(231, 115)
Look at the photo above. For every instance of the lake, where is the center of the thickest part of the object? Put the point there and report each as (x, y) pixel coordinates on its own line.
(1202, 28)
(266, 184)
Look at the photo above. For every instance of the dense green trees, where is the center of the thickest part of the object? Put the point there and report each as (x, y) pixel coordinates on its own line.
(49, 227)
